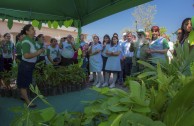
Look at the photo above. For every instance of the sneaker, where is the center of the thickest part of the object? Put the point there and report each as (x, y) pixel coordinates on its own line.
(112, 85)
(105, 85)
(98, 85)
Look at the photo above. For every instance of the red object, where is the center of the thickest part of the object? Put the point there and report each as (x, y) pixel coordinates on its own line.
(75, 55)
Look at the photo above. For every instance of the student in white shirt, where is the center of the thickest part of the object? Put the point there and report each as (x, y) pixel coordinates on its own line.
(113, 64)
(53, 54)
(96, 63)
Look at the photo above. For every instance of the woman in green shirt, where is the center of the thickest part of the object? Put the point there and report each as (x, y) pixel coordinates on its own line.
(1, 58)
(186, 28)
(40, 45)
(29, 58)
(19, 39)
(8, 52)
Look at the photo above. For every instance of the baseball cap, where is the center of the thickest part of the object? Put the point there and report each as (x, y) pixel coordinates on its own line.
(141, 31)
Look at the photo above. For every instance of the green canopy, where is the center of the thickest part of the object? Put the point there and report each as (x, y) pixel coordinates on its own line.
(86, 11)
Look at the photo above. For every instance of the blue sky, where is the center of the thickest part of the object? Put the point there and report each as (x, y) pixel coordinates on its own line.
(170, 14)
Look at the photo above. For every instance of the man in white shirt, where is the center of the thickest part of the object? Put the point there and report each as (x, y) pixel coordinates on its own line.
(67, 50)
(128, 50)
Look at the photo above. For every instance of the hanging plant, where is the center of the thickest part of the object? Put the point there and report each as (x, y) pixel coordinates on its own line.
(40, 25)
(3, 18)
(68, 23)
(49, 24)
(60, 23)
(10, 22)
(35, 23)
(55, 24)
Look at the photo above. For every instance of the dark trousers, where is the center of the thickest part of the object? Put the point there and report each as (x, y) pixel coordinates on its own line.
(19, 58)
(127, 66)
(25, 73)
(66, 61)
(1, 65)
(7, 63)
(120, 73)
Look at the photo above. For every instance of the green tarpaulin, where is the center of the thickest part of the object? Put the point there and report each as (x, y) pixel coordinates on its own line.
(86, 11)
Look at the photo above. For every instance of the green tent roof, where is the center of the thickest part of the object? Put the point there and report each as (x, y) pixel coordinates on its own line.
(86, 11)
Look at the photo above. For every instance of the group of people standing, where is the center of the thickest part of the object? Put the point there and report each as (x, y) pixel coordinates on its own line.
(111, 56)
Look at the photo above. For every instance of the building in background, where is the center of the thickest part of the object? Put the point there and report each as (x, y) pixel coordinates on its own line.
(48, 32)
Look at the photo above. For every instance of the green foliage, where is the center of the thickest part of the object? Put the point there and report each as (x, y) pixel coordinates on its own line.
(117, 102)
(54, 76)
(43, 117)
(163, 30)
(135, 119)
(181, 110)
(49, 24)
(7, 76)
(10, 22)
(35, 23)
(60, 23)
(40, 25)
(68, 23)
(192, 68)
(55, 24)
(180, 64)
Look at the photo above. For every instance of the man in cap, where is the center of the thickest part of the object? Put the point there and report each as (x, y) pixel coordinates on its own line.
(140, 49)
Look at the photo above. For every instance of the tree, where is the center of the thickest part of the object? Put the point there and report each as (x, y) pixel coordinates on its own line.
(163, 30)
(144, 15)
(127, 29)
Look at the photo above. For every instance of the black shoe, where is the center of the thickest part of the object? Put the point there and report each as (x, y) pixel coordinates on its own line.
(22, 99)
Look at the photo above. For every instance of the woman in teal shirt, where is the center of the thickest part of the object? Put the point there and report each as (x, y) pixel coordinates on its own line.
(158, 47)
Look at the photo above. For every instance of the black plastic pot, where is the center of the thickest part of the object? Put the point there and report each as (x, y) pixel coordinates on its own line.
(50, 91)
(8, 92)
(2, 92)
(60, 89)
(69, 88)
(54, 91)
(64, 89)
(78, 87)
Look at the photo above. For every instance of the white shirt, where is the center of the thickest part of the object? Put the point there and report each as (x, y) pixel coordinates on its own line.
(67, 50)
(125, 49)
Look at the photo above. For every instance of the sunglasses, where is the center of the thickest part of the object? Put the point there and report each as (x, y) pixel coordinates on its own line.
(139, 34)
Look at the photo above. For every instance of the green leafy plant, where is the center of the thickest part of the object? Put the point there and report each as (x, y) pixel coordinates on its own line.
(118, 104)
(44, 117)
(181, 110)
